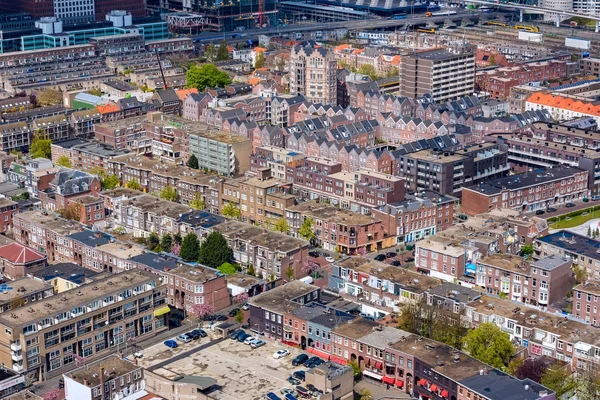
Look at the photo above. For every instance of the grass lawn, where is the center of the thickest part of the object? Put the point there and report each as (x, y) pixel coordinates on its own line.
(570, 222)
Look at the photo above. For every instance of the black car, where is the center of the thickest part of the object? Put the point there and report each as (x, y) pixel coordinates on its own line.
(174, 323)
(390, 254)
(299, 375)
(200, 332)
(233, 312)
(396, 263)
(569, 205)
(550, 209)
(193, 335)
(313, 362)
(410, 259)
(540, 212)
(313, 254)
(219, 317)
(299, 360)
(234, 335)
(380, 257)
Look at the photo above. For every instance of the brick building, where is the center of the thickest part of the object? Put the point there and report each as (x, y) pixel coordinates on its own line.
(189, 285)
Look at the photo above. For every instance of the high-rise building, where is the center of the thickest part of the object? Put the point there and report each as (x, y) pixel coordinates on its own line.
(446, 74)
(313, 73)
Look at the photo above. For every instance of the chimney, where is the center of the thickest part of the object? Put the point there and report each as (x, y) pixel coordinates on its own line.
(102, 392)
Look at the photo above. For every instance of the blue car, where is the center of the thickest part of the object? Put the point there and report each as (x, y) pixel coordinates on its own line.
(171, 344)
(242, 336)
(236, 334)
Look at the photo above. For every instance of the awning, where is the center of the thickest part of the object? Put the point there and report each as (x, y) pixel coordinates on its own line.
(388, 379)
(445, 394)
(339, 360)
(161, 311)
(399, 383)
(422, 382)
(373, 375)
(583, 347)
(319, 353)
(434, 388)
(378, 365)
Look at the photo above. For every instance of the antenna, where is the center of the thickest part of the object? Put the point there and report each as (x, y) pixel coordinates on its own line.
(162, 74)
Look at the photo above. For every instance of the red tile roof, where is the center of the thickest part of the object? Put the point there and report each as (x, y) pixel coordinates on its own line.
(19, 254)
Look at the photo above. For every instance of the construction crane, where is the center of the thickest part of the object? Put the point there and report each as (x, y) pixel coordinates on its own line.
(162, 74)
(261, 13)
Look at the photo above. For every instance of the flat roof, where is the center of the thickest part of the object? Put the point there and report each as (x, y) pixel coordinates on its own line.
(156, 261)
(91, 238)
(274, 241)
(158, 206)
(69, 271)
(242, 280)
(66, 301)
(356, 328)
(21, 288)
(282, 298)
(121, 250)
(204, 219)
(496, 385)
(452, 291)
(573, 243)
(198, 273)
(589, 287)
(507, 262)
(326, 212)
(51, 221)
(437, 156)
(112, 366)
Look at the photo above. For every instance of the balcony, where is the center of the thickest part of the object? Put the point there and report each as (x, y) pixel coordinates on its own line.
(17, 356)
(15, 346)
(18, 368)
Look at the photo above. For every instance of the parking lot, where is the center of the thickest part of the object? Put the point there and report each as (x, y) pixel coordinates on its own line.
(241, 372)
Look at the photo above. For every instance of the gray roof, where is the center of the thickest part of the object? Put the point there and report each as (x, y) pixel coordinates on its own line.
(90, 238)
(282, 299)
(70, 181)
(496, 385)
(68, 271)
(168, 96)
(156, 261)
(455, 292)
(551, 262)
(384, 337)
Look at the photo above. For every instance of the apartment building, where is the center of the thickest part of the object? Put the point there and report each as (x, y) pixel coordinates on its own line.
(224, 154)
(45, 338)
(313, 71)
(447, 172)
(444, 260)
(85, 155)
(64, 276)
(527, 191)
(563, 107)
(17, 261)
(585, 299)
(417, 217)
(273, 255)
(24, 291)
(35, 174)
(445, 74)
(582, 250)
(189, 285)
(8, 208)
(339, 230)
(274, 158)
(129, 134)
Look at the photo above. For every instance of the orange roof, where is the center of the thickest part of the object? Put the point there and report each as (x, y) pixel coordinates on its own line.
(395, 60)
(184, 93)
(341, 47)
(254, 81)
(566, 103)
(230, 48)
(261, 49)
(108, 108)
(358, 51)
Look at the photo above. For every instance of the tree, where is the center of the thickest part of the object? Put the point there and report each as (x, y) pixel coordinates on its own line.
(197, 203)
(259, 61)
(95, 92)
(489, 344)
(206, 76)
(282, 225)
(133, 184)
(365, 394)
(290, 273)
(166, 242)
(177, 238)
(557, 378)
(231, 210)
(306, 230)
(223, 51)
(227, 269)
(72, 211)
(239, 316)
(588, 383)
(201, 311)
(368, 69)
(49, 97)
(355, 368)
(241, 298)
(215, 251)
(532, 368)
(589, 231)
(526, 250)
(280, 63)
(169, 193)
(152, 241)
(192, 162)
(393, 72)
(250, 270)
(40, 147)
(210, 52)
(580, 273)
(33, 100)
(64, 161)
(109, 182)
(189, 247)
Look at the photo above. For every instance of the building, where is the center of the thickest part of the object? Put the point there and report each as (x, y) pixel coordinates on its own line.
(24, 291)
(445, 74)
(45, 338)
(17, 261)
(189, 285)
(334, 380)
(527, 191)
(224, 154)
(563, 107)
(585, 299)
(313, 72)
(64, 276)
(8, 208)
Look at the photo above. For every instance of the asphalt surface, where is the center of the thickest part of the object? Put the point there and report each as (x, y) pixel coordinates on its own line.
(185, 354)
(562, 210)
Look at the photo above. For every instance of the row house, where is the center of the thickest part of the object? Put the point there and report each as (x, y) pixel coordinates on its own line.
(281, 110)
(274, 255)
(66, 187)
(542, 334)
(307, 110)
(275, 159)
(255, 107)
(85, 155)
(241, 127)
(484, 126)
(401, 130)
(379, 288)
(217, 116)
(83, 122)
(417, 217)
(268, 135)
(194, 104)
(585, 302)
(361, 134)
(188, 286)
(34, 175)
(338, 230)
(130, 134)
(466, 106)
(527, 191)
(375, 103)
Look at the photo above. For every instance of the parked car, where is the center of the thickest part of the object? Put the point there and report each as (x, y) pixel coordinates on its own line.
(289, 396)
(285, 391)
(390, 254)
(595, 197)
(303, 392)
(410, 259)
(313, 390)
(299, 360)
(245, 307)
(314, 254)
(281, 353)
(193, 335)
(380, 257)
(219, 317)
(396, 263)
(171, 344)
(300, 374)
(249, 339)
(585, 199)
(569, 205)
(200, 332)
(234, 335)
(540, 212)
(174, 323)
(329, 259)
(184, 338)
(257, 343)
(272, 396)
(550, 209)
(242, 337)
(233, 312)
(293, 381)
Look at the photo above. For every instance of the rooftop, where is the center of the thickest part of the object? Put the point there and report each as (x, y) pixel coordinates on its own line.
(199, 273)
(273, 241)
(202, 219)
(65, 301)
(22, 287)
(357, 328)
(437, 156)
(91, 238)
(552, 262)
(507, 262)
(242, 280)
(68, 271)
(165, 168)
(589, 287)
(282, 298)
(326, 212)
(51, 221)
(573, 243)
(158, 206)
(121, 250)
(384, 336)
(159, 262)
(455, 292)
(496, 385)
(18, 254)
(112, 366)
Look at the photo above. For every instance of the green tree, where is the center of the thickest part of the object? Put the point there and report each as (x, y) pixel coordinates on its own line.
(355, 368)
(192, 162)
(206, 76)
(393, 72)
(489, 344)
(226, 268)
(64, 161)
(40, 147)
(231, 210)
(189, 247)
(251, 270)
(365, 394)
(166, 242)
(109, 182)
(290, 273)
(215, 251)
(307, 229)
(580, 273)
(259, 61)
(282, 225)
(526, 250)
(239, 316)
(368, 69)
(222, 52)
(557, 378)
(589, 232)
(152, 241)
(177, 239)
(197, 203)
(133, 184)
(210, 52)
(168, 193)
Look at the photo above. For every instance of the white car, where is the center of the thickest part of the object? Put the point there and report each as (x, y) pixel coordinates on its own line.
(249, 339)
(245, 307)
(329, 259)
(184, 338)
(257, 343)
(281, 353)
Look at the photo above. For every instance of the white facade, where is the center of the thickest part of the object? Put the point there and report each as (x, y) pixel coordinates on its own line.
(558, 113)
(75, 11)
